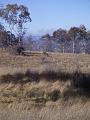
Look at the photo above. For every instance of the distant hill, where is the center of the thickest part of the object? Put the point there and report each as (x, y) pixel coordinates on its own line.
(35, 37)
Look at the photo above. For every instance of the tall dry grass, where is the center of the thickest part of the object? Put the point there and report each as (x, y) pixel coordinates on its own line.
(42, 87)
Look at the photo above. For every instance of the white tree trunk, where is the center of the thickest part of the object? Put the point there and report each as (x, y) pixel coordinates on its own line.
(83, 46)
(19, 40)
(63, 49)
(73, 46)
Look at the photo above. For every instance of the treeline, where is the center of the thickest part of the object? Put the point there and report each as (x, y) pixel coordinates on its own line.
(75, 40)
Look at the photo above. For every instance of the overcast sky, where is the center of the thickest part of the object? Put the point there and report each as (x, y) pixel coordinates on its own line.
(49, 15)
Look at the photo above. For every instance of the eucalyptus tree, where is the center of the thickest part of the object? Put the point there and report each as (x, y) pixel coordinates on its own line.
(88, 42)
(73, 33)
(61, 36)
(2, 34)
(16, 16)
(46, 43)
(83, 37)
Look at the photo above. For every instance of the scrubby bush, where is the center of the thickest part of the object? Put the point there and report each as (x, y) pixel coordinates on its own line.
(20, 49)
(54, 95)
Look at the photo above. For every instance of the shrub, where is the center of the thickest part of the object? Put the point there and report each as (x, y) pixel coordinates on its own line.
(45, 53)
(54, 95)
(20, 49)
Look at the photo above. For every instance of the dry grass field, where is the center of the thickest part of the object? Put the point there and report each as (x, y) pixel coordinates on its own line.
(44, 87)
